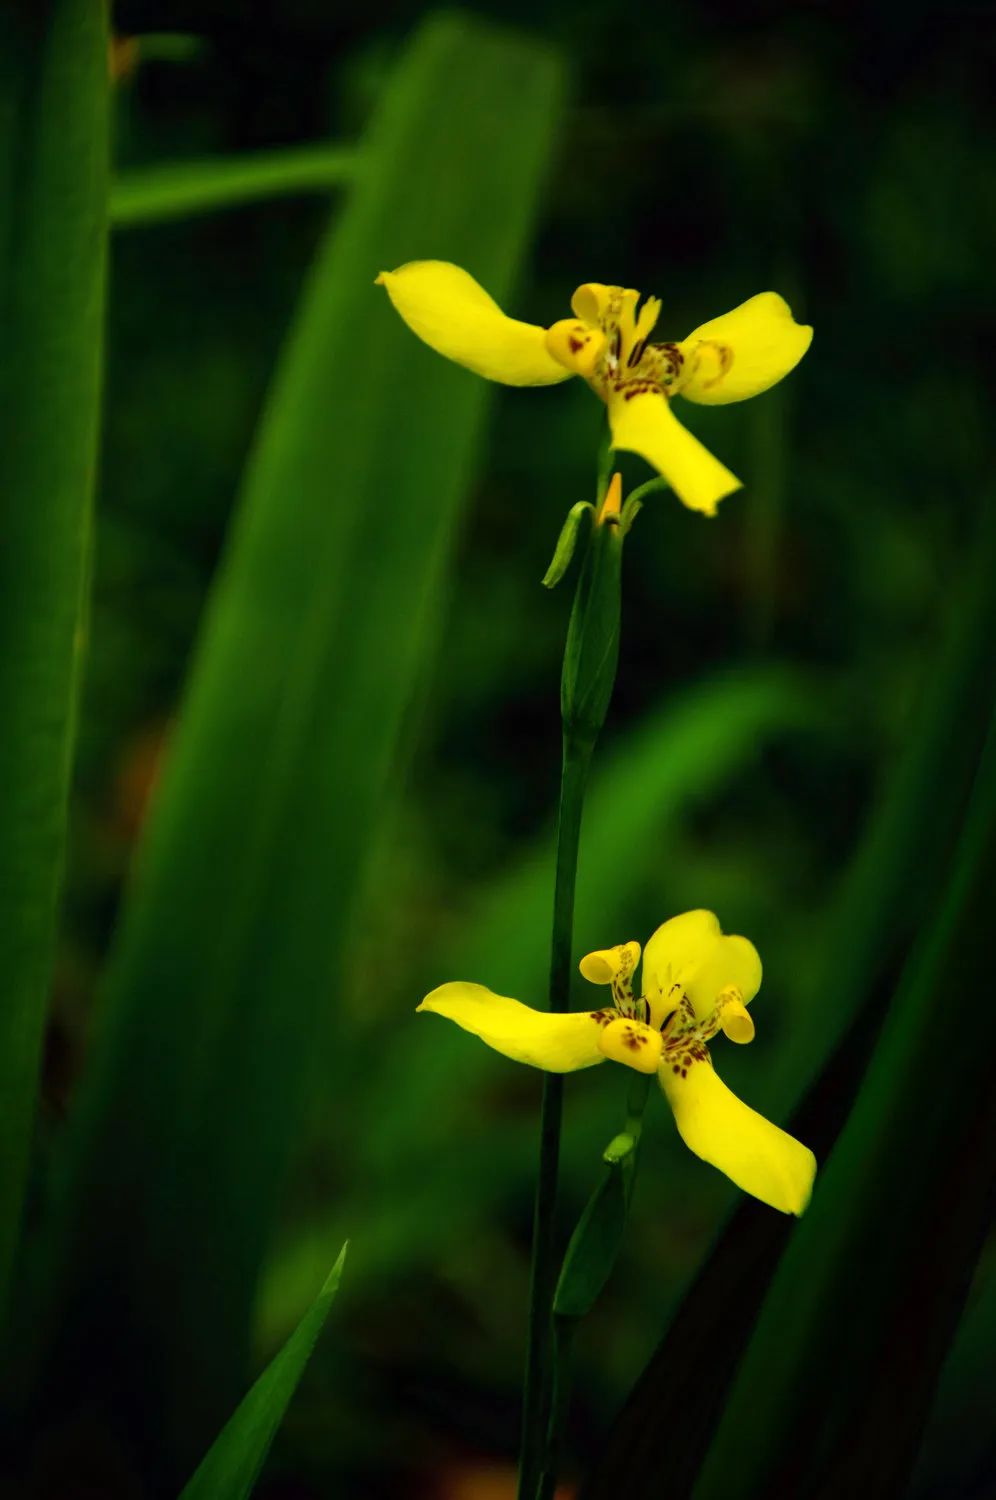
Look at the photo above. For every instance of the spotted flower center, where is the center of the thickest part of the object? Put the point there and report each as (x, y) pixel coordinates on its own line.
(628, 1033)
(608, 343)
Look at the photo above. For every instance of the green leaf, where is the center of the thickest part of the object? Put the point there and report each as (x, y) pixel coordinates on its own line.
(53, 211)
(959, 1444)
(566, 542)
(594, 1246)
(898, 872)
(882, 1262)
(232, 1464)
(177, 190)
(219, 1017)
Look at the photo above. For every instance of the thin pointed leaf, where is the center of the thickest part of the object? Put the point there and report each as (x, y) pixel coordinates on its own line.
(233, 1463)
(179, 190)
(53, 212)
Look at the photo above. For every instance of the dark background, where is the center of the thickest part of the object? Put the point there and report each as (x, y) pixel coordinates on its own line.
(840, 158)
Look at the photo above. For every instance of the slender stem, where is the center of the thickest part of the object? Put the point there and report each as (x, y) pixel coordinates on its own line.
(539, 1361)
(565, 1327)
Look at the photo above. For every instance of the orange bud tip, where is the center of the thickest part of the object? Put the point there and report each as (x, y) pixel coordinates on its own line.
(612, 504)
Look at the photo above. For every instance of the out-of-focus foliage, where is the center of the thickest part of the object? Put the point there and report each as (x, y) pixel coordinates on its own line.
(217, 1020)
(53, 233)
(773, 675)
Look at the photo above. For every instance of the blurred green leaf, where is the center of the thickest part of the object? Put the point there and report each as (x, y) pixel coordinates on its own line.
(53, 230)
(177, 190)
(594, 1246)
(958, 1454)
(233, 1463)
(220, 1008)
(837, 1381)
(898, 873)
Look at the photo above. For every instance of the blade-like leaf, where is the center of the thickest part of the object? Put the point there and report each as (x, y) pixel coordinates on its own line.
(221, 998)
(882, 1262)
(178, 190)
(232, 1464)
(53, 229)
(898, 871)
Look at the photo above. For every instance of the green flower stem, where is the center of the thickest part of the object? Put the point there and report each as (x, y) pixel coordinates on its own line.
(590, 656)
(539, 1362)
(590, 1258)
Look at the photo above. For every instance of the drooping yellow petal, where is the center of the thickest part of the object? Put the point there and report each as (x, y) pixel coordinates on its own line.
(454, 315)
(646, 425)
(692, 953)
(558, 1043)
(631, 1042)
(760, 1158)
(744, 352)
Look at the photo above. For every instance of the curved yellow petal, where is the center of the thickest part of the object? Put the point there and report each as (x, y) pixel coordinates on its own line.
(454, 315)
(692, 951)
(760, 1158)
(645, 424)
(744, 352)
(557, 1043)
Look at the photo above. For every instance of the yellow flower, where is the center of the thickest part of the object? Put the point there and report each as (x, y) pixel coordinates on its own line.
(697, 981)
(607, 342)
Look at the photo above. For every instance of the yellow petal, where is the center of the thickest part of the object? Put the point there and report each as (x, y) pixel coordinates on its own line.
(455, 316)
(631, 1042)
(557, 1043)
(646, 425)
(744, 352)
(691, 951)
(760, 1158)
(675, 946)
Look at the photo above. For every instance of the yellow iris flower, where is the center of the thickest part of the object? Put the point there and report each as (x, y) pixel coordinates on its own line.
(697, 981)
(607, 342)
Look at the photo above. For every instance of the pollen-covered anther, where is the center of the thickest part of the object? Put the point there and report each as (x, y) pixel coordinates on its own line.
(631, 1042)
(734, 1017)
